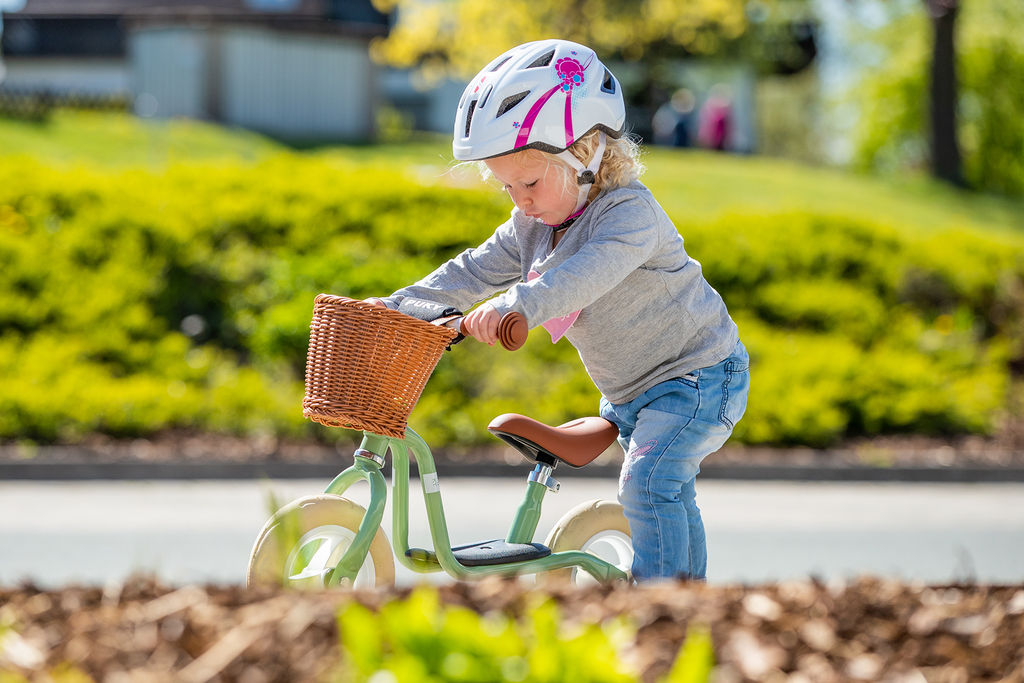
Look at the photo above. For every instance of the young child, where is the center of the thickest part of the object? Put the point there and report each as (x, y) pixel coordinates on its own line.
(589, 254)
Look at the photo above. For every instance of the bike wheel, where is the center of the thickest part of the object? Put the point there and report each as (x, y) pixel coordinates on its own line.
(306, 538)
(597, 527)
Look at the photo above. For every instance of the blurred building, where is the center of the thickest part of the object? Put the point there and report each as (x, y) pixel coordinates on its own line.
(294, 69)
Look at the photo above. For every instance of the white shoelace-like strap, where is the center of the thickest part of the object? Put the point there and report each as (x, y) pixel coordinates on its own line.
(585, 175)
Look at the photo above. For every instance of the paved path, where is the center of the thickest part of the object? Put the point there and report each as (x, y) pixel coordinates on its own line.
(56, 533)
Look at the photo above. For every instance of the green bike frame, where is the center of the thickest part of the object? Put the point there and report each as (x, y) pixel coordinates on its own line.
(368, 462)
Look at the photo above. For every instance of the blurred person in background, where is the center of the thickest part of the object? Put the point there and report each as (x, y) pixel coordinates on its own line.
(674, 119)
(716, 118)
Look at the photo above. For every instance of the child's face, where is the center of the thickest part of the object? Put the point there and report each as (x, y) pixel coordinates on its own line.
(537, 187)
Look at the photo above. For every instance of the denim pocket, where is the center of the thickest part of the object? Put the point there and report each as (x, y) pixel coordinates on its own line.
(734, 393)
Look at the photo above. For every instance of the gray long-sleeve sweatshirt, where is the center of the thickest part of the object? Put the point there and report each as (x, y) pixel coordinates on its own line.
(646, 313)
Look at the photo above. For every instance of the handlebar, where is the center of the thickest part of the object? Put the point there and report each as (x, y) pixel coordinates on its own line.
(512, 328)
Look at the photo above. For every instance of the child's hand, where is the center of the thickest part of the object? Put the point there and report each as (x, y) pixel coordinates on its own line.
(482, 324)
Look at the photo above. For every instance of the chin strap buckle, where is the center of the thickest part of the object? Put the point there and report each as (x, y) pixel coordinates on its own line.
(585, 175)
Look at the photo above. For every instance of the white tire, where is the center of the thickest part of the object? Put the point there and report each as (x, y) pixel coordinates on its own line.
(598, 527)
(305, 538)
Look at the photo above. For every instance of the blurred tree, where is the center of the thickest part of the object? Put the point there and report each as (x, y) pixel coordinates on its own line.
(948, 91)
(455, 38)
(944, 143)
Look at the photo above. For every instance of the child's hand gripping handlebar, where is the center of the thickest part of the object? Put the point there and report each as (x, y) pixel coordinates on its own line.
(512, 328)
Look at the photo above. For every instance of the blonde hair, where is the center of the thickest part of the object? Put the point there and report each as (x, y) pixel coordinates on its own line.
(620, 164)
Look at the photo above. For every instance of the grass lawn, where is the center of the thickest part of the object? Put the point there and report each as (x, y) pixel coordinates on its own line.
(703, 185)
(121, 140)
(691, 185)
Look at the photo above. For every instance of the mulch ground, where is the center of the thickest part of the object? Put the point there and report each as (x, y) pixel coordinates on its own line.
(795, 632)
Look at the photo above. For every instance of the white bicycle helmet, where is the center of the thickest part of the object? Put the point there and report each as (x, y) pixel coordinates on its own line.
(543, 95)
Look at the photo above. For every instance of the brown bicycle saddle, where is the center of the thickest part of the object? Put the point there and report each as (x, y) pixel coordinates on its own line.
(575, 443)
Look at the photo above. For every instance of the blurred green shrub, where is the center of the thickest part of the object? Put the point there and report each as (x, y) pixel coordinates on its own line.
(859, 329)
(894, 127)
(131, 303)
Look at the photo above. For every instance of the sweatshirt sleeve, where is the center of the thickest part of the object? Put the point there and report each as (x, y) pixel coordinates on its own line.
(623, 238)
(473, 275)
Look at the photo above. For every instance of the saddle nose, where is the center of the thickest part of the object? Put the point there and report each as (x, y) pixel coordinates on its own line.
(576, 443)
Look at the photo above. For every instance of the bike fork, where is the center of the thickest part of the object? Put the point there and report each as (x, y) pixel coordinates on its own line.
(366, 467)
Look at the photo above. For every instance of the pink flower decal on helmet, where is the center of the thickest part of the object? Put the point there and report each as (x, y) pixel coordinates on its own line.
(570, 75)
(570, 72)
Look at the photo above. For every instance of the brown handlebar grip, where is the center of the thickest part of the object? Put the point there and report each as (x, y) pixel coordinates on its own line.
(513, 330)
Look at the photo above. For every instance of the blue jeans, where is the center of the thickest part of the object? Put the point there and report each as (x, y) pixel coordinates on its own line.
(666, 432)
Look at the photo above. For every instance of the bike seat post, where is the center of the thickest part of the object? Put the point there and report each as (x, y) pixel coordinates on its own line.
(524, 525)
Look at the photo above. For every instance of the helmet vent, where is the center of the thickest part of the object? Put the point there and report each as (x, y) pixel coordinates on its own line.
(510, 102)
(487, 93)
(469, 117)
(501, 64)
(608, 84)
(543, 60)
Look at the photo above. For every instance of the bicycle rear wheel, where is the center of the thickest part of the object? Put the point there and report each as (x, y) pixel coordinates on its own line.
(598, 527)
(305, 539)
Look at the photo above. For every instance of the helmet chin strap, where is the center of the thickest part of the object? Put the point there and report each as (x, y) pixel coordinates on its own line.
(585, 175)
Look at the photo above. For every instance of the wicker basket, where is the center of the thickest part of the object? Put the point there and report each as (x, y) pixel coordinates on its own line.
(367, 365)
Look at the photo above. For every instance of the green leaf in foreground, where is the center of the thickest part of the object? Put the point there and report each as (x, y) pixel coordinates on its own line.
(419, 639)
(696, 657)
